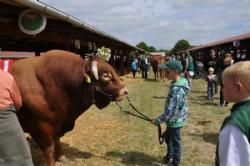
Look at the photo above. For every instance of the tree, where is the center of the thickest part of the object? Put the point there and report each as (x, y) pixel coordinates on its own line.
(142, 45)
(181, 45)
(145, 47)
(151, 49)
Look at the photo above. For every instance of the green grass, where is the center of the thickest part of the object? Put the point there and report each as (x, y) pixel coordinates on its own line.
(110, 138)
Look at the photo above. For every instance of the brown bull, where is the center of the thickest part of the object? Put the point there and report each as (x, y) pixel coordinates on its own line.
(155, 61)
(56, 90)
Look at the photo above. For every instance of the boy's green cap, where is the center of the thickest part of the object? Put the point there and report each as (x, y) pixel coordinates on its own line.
(171, 65)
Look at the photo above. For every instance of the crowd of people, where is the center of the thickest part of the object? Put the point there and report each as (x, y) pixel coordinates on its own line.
(210, 69)
(140, 65)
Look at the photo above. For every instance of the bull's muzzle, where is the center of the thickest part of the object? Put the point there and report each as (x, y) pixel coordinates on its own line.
(121, 94)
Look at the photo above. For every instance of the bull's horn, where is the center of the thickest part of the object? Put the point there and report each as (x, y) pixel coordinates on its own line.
(94, 69)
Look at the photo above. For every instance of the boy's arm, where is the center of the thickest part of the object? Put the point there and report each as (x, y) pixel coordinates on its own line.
(170, 107)
(233, 147)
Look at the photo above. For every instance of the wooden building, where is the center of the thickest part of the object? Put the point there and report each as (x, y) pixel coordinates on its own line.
(58, 31)
(238, 45)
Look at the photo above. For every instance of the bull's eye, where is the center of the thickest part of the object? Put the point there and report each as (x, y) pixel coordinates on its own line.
(106, 77)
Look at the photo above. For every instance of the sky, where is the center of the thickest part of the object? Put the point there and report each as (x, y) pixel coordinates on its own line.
(162, 23)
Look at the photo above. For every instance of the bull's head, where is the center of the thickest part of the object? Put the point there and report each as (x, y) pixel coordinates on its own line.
(107, 83)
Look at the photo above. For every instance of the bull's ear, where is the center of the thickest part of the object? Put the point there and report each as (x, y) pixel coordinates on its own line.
(94, 69)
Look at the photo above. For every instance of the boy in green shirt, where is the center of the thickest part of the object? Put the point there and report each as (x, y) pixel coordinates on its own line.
(233, 148)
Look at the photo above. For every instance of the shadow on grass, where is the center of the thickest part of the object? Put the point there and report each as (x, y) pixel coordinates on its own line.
(70, 152)
(211, 137)
(159, 97)
(198, 98)
(151, 80)
(205, 103)
(208, 137)
(196, 91)
(135, 158)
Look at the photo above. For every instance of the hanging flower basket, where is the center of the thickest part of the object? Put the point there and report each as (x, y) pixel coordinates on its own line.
(104, 53)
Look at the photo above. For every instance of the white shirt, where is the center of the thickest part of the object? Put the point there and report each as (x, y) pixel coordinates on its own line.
(234, 148)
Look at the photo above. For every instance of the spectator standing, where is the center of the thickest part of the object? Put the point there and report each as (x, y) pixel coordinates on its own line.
(14, 148)
(211, 81)
(134, 67)
(228, 61)
(144, 67)
(213, 62)
(189, 67)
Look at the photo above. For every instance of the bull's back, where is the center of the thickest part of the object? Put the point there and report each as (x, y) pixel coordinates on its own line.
(34, 77)
(24, 72)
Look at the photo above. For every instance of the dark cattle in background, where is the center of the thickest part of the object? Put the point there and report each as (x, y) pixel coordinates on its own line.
(55, 90)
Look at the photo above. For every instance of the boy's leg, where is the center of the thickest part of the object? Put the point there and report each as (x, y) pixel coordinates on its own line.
(208, 92)
(213, 92)
(170, 149)
(177, 146)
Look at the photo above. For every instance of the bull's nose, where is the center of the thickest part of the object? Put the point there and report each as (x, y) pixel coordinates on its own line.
(122, 93)
(125, 91)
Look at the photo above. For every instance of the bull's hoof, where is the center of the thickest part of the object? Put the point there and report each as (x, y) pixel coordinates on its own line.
(62, 159)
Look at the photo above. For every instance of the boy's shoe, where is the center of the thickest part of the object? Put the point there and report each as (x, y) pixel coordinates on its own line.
(166, 161)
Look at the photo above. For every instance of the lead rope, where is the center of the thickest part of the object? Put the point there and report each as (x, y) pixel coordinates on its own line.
(142, 116)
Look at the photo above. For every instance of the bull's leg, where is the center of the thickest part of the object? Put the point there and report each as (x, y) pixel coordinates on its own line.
(58, 151)
(44, 138)
(47, 147)
(49, 155)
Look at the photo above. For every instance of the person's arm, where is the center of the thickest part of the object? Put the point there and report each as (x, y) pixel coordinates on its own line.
(15, 95)
(234, 147)
(186, 66)
(170, 106)
(207, 78)
(215, 78)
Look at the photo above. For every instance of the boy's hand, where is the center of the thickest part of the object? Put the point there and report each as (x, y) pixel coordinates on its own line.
(155, 122)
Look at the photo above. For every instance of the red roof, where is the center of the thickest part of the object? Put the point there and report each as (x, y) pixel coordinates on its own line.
(224, 41)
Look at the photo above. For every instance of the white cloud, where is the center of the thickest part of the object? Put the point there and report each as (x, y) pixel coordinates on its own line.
(162, 22)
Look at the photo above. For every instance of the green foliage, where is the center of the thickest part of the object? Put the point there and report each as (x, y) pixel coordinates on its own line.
(142, 45)
(145, 47)
(181, 45)
(151, 49)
